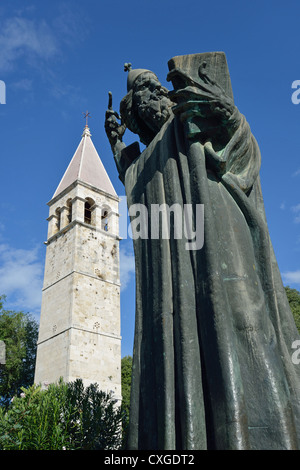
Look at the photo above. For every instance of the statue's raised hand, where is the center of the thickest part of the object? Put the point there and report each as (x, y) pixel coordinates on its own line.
(113, 128)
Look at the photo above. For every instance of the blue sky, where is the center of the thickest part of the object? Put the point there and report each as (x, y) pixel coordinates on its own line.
(60, 58)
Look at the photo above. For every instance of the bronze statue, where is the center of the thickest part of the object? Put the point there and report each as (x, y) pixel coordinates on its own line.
(212, 364)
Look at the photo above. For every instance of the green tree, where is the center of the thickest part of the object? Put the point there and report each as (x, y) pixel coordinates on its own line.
(126, 369)
(98, 418)
(66, 416)
(293, 296)
(19, 331)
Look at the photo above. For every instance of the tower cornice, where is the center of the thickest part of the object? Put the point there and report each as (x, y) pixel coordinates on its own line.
(86, 185)
(79, 222)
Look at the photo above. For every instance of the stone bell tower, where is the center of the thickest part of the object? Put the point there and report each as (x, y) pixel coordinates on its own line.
(79, 335)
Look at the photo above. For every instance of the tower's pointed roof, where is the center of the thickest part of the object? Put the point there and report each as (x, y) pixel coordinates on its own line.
(87, 167)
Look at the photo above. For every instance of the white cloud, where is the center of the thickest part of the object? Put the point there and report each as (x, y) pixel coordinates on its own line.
(21, 277)
(39, 44)
(296, 210)
(69, 21)
(24, 84)
(291, 277)
(297, 173)
(127, 266)
(37, 40)
(25, 38)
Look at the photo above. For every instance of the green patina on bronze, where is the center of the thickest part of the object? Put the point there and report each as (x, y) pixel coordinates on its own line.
(212, 364)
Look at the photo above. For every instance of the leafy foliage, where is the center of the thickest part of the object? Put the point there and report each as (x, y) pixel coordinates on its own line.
(126, 368)
(293, 296)
(19, 331)
(66, 416)
(98, 417)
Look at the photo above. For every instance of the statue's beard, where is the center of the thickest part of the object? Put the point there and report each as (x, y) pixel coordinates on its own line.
(155, 112)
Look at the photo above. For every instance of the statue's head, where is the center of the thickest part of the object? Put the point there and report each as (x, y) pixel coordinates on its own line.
(146, 107)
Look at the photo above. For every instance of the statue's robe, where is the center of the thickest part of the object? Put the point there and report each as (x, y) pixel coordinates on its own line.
(212, 364)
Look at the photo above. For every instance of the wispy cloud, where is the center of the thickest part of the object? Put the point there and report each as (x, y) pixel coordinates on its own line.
(28, 38)
(296, 210)
(71, 24)
(23, 38)
(296, 173)
(30, 43)
(21, 277)
(282, 206)
(291, 277)
(25, 84)
(127, 266)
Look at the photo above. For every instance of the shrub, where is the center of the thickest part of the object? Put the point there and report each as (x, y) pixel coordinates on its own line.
(66, 416)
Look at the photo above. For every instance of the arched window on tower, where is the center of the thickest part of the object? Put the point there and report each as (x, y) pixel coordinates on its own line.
(87, 213)
(104, 221)
(88, 210)
(57, 213)
(69, 206)
(104, 218)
